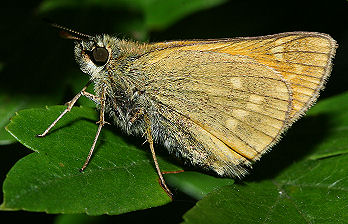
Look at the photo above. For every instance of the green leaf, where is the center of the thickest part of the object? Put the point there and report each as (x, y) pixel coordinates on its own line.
(161, 14)
(6, 112)
(304, 181)
(11, 104)
(319, 195)
(78, 219)
(119, 178)
(195, 184)
(336, 141)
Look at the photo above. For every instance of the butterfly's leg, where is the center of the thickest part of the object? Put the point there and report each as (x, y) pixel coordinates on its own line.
(150, 140)
(91, 97)
(69, 104)
(101, 123)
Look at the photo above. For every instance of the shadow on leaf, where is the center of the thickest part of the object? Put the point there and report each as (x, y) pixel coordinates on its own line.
(298, 142)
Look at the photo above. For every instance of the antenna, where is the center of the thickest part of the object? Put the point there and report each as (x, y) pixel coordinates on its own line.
(69, 33)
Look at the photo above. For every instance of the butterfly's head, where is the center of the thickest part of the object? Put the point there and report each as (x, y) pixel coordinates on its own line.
(92, 53)
(95, 53)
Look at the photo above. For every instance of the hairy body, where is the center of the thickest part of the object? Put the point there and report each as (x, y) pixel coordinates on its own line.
(218, 104)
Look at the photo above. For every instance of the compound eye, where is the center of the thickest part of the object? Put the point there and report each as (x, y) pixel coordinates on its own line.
(100, 56)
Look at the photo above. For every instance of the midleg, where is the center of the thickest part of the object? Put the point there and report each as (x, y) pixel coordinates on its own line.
(150, 140)
(101, 123)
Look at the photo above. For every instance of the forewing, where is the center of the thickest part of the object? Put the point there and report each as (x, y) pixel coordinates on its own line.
(304, 60)
(238, 102)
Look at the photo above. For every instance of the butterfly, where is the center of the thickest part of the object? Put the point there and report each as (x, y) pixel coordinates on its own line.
(218, 104)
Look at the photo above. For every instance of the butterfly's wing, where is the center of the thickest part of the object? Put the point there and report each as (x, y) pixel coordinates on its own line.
(304, 59)
(235, 97)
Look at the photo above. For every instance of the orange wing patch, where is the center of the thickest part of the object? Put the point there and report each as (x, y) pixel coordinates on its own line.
(303, 59)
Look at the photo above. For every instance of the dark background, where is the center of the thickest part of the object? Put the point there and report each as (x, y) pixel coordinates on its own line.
(35, 61)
